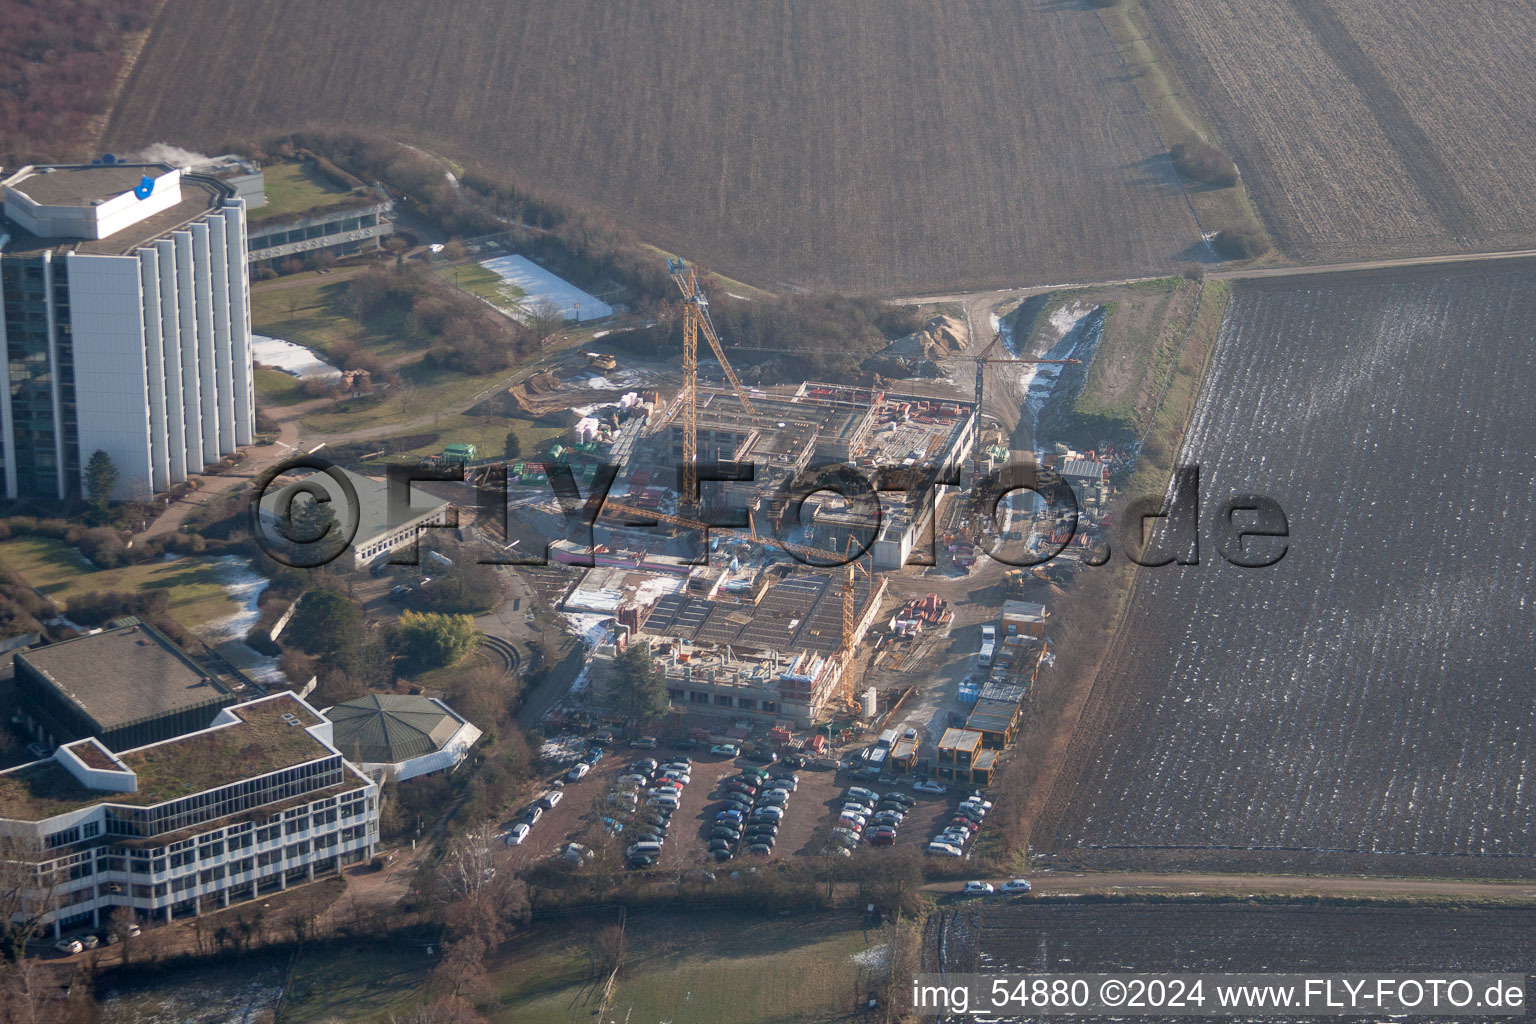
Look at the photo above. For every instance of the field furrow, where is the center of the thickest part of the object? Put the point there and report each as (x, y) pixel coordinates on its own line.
(863, 145)
(1370, 694)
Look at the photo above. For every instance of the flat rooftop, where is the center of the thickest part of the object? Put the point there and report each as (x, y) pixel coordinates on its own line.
(81, 184)
(262, 740)
(959, 739)
(126, 675)
(200, 194)
(373, 512)
(992, 716)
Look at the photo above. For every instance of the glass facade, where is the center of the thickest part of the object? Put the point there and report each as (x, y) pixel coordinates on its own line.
(32, 375)
(175, 815)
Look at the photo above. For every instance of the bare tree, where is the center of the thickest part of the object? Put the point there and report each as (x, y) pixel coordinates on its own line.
(27, 890)
(29, 993)
(124, 921)
(545, 317)
(450, 1010)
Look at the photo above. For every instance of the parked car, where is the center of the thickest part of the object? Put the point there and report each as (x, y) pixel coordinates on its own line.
(644, 764)
(722, 832)
(602, 737)
(977, 888)
(753, 772)
(794, 761)
(936, 788)
(644, 742)
(132, 931)
(763, 756)
(882, 839)
(642, 860)
(399, 593)
(774, 798)
(721, 855)
(677, 775)
(899, 798)
(687, 743)
(651, 837)
(69, 946)
(578, 772)
(533, 814)
(725, 750)
(769, 812)
(518, 833)
(549, 799)
(761, 849)
(1017, 885)
(863, 795)
(939, 848)
(737, 786)
(719, 844)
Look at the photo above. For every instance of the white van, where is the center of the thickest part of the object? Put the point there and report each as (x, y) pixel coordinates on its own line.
(643, 849)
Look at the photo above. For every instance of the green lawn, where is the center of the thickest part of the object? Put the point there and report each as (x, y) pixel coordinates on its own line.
(477, 280)
(694, 970)
(274, 387)
(294, 187)
(195, 586)
(362, 984)
(489, 434)
(309, 315)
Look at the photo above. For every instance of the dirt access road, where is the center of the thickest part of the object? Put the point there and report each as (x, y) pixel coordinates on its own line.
(1137, 883)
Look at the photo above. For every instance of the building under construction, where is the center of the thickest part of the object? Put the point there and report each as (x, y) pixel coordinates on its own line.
(748, 638)
(789, 690)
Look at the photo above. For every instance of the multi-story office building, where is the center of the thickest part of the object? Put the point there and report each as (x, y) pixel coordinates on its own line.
(257, 801)
(125, 686)
(126, 325)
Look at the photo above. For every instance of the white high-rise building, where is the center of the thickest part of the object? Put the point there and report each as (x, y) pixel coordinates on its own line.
(126, 325)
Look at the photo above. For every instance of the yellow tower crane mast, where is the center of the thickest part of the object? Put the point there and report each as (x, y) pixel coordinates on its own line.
(696, 319)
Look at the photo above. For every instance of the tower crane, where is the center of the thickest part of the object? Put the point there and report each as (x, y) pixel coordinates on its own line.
(982, 362)
(696, 319)
(850, 610)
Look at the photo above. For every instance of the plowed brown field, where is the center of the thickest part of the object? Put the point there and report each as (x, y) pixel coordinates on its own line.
(866, 145)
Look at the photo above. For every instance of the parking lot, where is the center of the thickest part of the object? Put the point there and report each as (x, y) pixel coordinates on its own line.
(817, 802)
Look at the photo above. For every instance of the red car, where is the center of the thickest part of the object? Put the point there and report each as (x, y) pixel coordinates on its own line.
(737, 786)
(849, 824)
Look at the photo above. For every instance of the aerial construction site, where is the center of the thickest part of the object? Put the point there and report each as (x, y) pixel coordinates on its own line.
(779, 555)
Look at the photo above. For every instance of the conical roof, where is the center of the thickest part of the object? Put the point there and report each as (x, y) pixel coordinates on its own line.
(387, 728)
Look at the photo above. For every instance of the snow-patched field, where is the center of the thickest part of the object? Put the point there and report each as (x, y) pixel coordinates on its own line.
(290, 358)
(539, 285)
(1371, 693)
